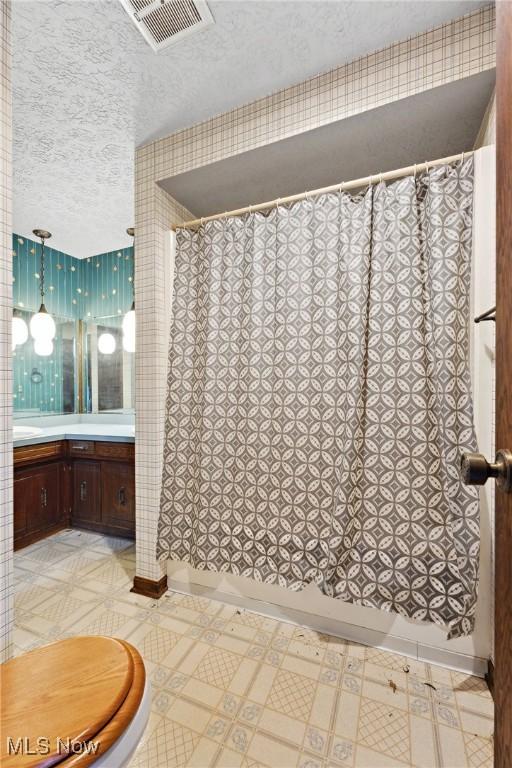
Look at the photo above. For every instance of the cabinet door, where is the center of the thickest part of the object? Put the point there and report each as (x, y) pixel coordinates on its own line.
(48, 488)
(25, 502)
(118, 495)
(66, 491)
(36, 499)
(86, 492)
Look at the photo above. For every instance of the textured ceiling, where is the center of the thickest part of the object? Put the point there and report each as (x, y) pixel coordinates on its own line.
(88, 90)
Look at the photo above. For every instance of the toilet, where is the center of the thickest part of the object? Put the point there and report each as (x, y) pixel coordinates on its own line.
(76, 702)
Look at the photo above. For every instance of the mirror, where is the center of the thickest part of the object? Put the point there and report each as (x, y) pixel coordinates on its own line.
(109, 370)
(44, 384)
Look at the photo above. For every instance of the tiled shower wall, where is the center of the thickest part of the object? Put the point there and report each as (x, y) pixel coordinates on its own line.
(6, 577)
(448, 53)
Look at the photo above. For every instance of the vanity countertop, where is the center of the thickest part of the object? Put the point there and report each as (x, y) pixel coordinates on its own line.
(115, 433)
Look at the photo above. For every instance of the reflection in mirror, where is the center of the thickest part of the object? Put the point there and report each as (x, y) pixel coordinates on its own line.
(109, 368)
(44, 383)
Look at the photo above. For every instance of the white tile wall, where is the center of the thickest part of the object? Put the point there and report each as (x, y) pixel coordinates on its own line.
(445, 54)
(450, 52)
(155, 213)
(6, 561)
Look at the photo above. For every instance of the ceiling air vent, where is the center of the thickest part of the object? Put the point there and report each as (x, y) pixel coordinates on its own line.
(163, 22)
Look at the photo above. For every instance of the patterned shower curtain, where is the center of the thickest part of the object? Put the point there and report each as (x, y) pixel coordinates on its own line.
(319, 398)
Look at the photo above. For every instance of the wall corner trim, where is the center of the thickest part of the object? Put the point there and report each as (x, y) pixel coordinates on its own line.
(149, 588)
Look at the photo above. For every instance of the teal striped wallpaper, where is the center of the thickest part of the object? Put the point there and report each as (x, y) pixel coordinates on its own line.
(89, 289)
(63, 279)
(108, 284)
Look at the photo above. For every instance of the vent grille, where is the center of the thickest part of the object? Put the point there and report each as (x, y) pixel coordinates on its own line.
(163, 22)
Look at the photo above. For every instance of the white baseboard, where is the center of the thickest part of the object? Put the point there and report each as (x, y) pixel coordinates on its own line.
(455, 660)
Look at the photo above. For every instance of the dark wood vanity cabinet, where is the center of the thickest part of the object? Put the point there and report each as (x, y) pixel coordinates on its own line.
(41, 500)
(85, 484)
(103, 487)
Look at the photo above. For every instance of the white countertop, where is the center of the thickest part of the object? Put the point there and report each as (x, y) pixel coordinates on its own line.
(114, 433)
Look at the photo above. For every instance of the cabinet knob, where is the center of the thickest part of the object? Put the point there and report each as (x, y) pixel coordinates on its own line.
(121, 496)
(83, 490)
(44, 498)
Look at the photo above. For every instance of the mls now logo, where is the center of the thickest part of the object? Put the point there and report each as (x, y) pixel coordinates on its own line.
(43, 746)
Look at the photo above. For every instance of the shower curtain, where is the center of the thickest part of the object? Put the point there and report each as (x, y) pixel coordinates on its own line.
(319, 398)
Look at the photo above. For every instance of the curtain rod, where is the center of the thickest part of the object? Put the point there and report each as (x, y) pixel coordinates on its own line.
(354, 184)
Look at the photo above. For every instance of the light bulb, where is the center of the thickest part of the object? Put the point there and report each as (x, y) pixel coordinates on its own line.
(106, 344)
(129, 322)
(19, 331)
(129, 343)
(129, 331)
(43, 347)
(42, 325)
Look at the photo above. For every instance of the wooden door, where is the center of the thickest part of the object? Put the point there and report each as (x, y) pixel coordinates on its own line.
(503, 531)
(118, 496)
(86, 493)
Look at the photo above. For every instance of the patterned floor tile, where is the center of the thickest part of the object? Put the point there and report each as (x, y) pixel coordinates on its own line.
(478, 750)
(218, 667)
(232, 688)
(292, 695)
(384, 729)
(157, 643)
(170, 746)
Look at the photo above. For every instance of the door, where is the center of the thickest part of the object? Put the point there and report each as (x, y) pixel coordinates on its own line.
(86, 493)
(476, 469)
(118, 496)
(503, 566)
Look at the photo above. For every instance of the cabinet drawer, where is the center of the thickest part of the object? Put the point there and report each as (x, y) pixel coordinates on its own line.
(115, 451)
(81, 447)
(30, 454)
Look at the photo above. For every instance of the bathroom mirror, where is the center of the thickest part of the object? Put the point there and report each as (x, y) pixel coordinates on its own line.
(44, 384)
(109, 369)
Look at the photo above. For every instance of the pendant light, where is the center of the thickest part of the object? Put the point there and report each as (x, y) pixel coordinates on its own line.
(43, 346)
(19, 331)
(129, 318)
(106, 344)
(42, 325)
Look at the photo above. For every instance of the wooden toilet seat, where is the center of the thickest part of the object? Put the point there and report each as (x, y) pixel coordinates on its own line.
(81, 689)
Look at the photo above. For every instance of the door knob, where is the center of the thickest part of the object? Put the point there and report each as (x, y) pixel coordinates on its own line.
(475, 469)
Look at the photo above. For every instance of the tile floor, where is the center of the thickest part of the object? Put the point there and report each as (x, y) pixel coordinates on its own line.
(233, 688)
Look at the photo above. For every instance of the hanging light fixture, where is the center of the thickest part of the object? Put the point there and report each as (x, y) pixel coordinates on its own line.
(19, 331)
(129, 318)
(42, 325)
(106, 344)
(43, 346)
